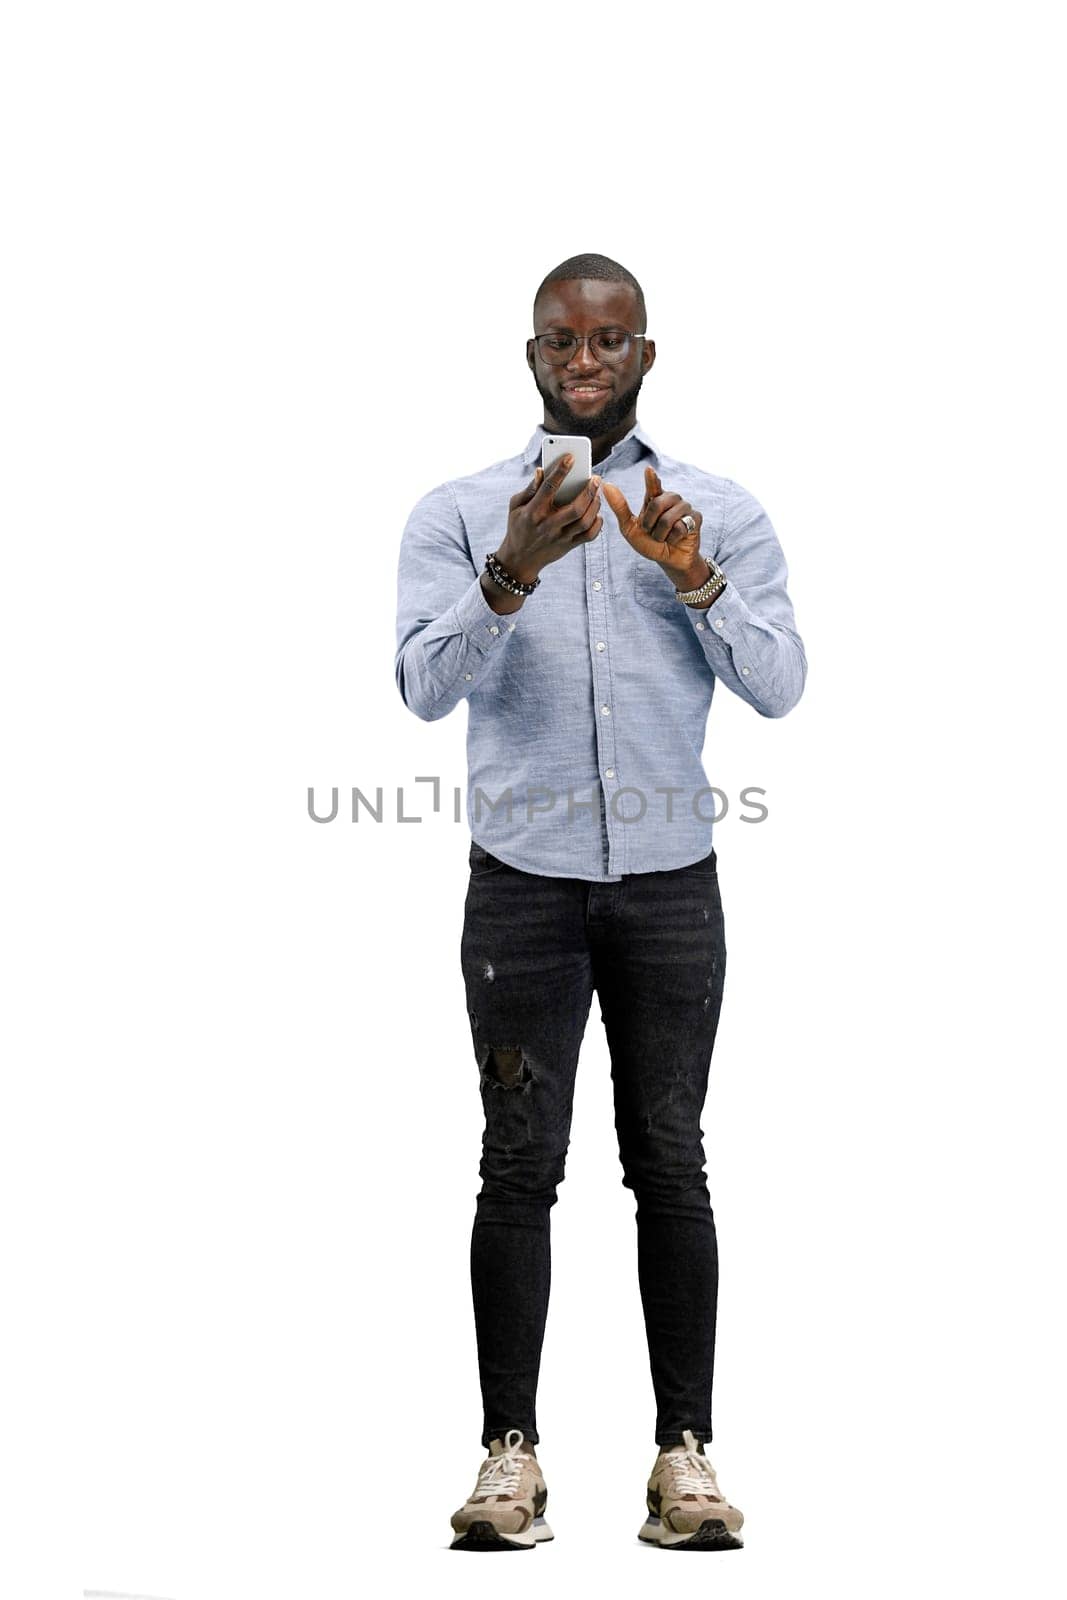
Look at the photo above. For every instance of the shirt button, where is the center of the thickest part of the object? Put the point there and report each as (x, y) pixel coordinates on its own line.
(600, 644)
(700, 627)
(597, 583)
(511, 627)
(744, 671)
(609, 772)
(718, 622)
(468, 676)
(494, 629)
(606, 710)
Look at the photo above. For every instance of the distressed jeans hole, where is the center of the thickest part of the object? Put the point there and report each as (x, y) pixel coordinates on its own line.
(507, 1065)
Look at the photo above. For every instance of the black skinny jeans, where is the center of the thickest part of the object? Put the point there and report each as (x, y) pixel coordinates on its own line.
(534, 949)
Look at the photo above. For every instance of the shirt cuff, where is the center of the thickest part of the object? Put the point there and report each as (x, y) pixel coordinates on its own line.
(723, 617)
(485, 628)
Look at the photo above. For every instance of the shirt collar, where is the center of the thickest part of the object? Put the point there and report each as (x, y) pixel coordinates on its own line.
(629, 449)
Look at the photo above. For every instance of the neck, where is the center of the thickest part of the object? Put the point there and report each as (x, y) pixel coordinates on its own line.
(602, 442)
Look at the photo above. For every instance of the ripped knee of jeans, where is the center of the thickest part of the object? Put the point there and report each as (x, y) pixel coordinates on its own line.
(506, 1066)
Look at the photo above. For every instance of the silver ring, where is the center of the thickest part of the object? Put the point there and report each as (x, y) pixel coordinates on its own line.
(689, 522)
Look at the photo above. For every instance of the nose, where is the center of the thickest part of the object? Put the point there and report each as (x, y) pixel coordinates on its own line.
(583, 359)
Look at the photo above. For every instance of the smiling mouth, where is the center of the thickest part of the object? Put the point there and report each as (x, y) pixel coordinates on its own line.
(584, 391)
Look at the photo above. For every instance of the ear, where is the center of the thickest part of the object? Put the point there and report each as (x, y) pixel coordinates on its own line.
(648, 354)
(530, 347)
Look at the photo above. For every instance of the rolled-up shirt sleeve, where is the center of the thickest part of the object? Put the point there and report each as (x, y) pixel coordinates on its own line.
(449, 639)
(749, 633)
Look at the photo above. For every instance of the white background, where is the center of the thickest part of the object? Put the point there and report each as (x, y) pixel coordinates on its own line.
(241, 1121)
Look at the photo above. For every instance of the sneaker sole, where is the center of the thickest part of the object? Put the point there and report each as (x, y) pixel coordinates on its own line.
(483, 1536)
(711, 1535)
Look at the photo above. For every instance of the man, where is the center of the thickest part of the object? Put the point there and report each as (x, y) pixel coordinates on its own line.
(588, 665)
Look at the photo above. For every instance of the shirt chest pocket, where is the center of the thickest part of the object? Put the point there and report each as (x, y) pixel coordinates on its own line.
(653, 589)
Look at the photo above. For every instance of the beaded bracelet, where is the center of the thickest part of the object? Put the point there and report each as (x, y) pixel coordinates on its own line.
(500, 575)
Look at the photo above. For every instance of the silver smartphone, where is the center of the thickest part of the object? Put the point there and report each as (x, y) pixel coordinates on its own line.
(553, 446)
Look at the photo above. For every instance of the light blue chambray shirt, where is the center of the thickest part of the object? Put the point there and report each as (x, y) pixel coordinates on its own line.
(588, 706)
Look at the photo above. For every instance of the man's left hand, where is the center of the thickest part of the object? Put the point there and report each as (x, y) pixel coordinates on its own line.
(658, 532)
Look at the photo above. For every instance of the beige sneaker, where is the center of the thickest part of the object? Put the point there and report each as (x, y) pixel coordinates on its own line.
(507, 1509)
(686, 1507)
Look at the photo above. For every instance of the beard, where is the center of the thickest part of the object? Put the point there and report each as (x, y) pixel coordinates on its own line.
(592, 427)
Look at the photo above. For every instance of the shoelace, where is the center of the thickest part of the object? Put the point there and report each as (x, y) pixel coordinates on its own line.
(692, 1473)
(500, 1474)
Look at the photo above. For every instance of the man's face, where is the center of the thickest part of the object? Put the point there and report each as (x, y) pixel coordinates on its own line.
(589, 396)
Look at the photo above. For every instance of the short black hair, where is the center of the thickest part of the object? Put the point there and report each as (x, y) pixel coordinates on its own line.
(591, 265)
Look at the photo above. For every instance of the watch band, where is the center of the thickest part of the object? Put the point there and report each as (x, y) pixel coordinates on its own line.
(710, 589)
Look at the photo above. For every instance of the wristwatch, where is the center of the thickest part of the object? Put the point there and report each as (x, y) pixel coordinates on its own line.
(710, 589)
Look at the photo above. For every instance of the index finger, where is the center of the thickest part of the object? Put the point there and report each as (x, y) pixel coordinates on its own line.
(653, 487)
(554, 477)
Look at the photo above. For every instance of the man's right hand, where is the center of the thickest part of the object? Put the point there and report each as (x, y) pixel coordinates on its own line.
(539, 531)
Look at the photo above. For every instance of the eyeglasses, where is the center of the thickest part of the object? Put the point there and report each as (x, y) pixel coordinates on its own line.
(606, 344)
